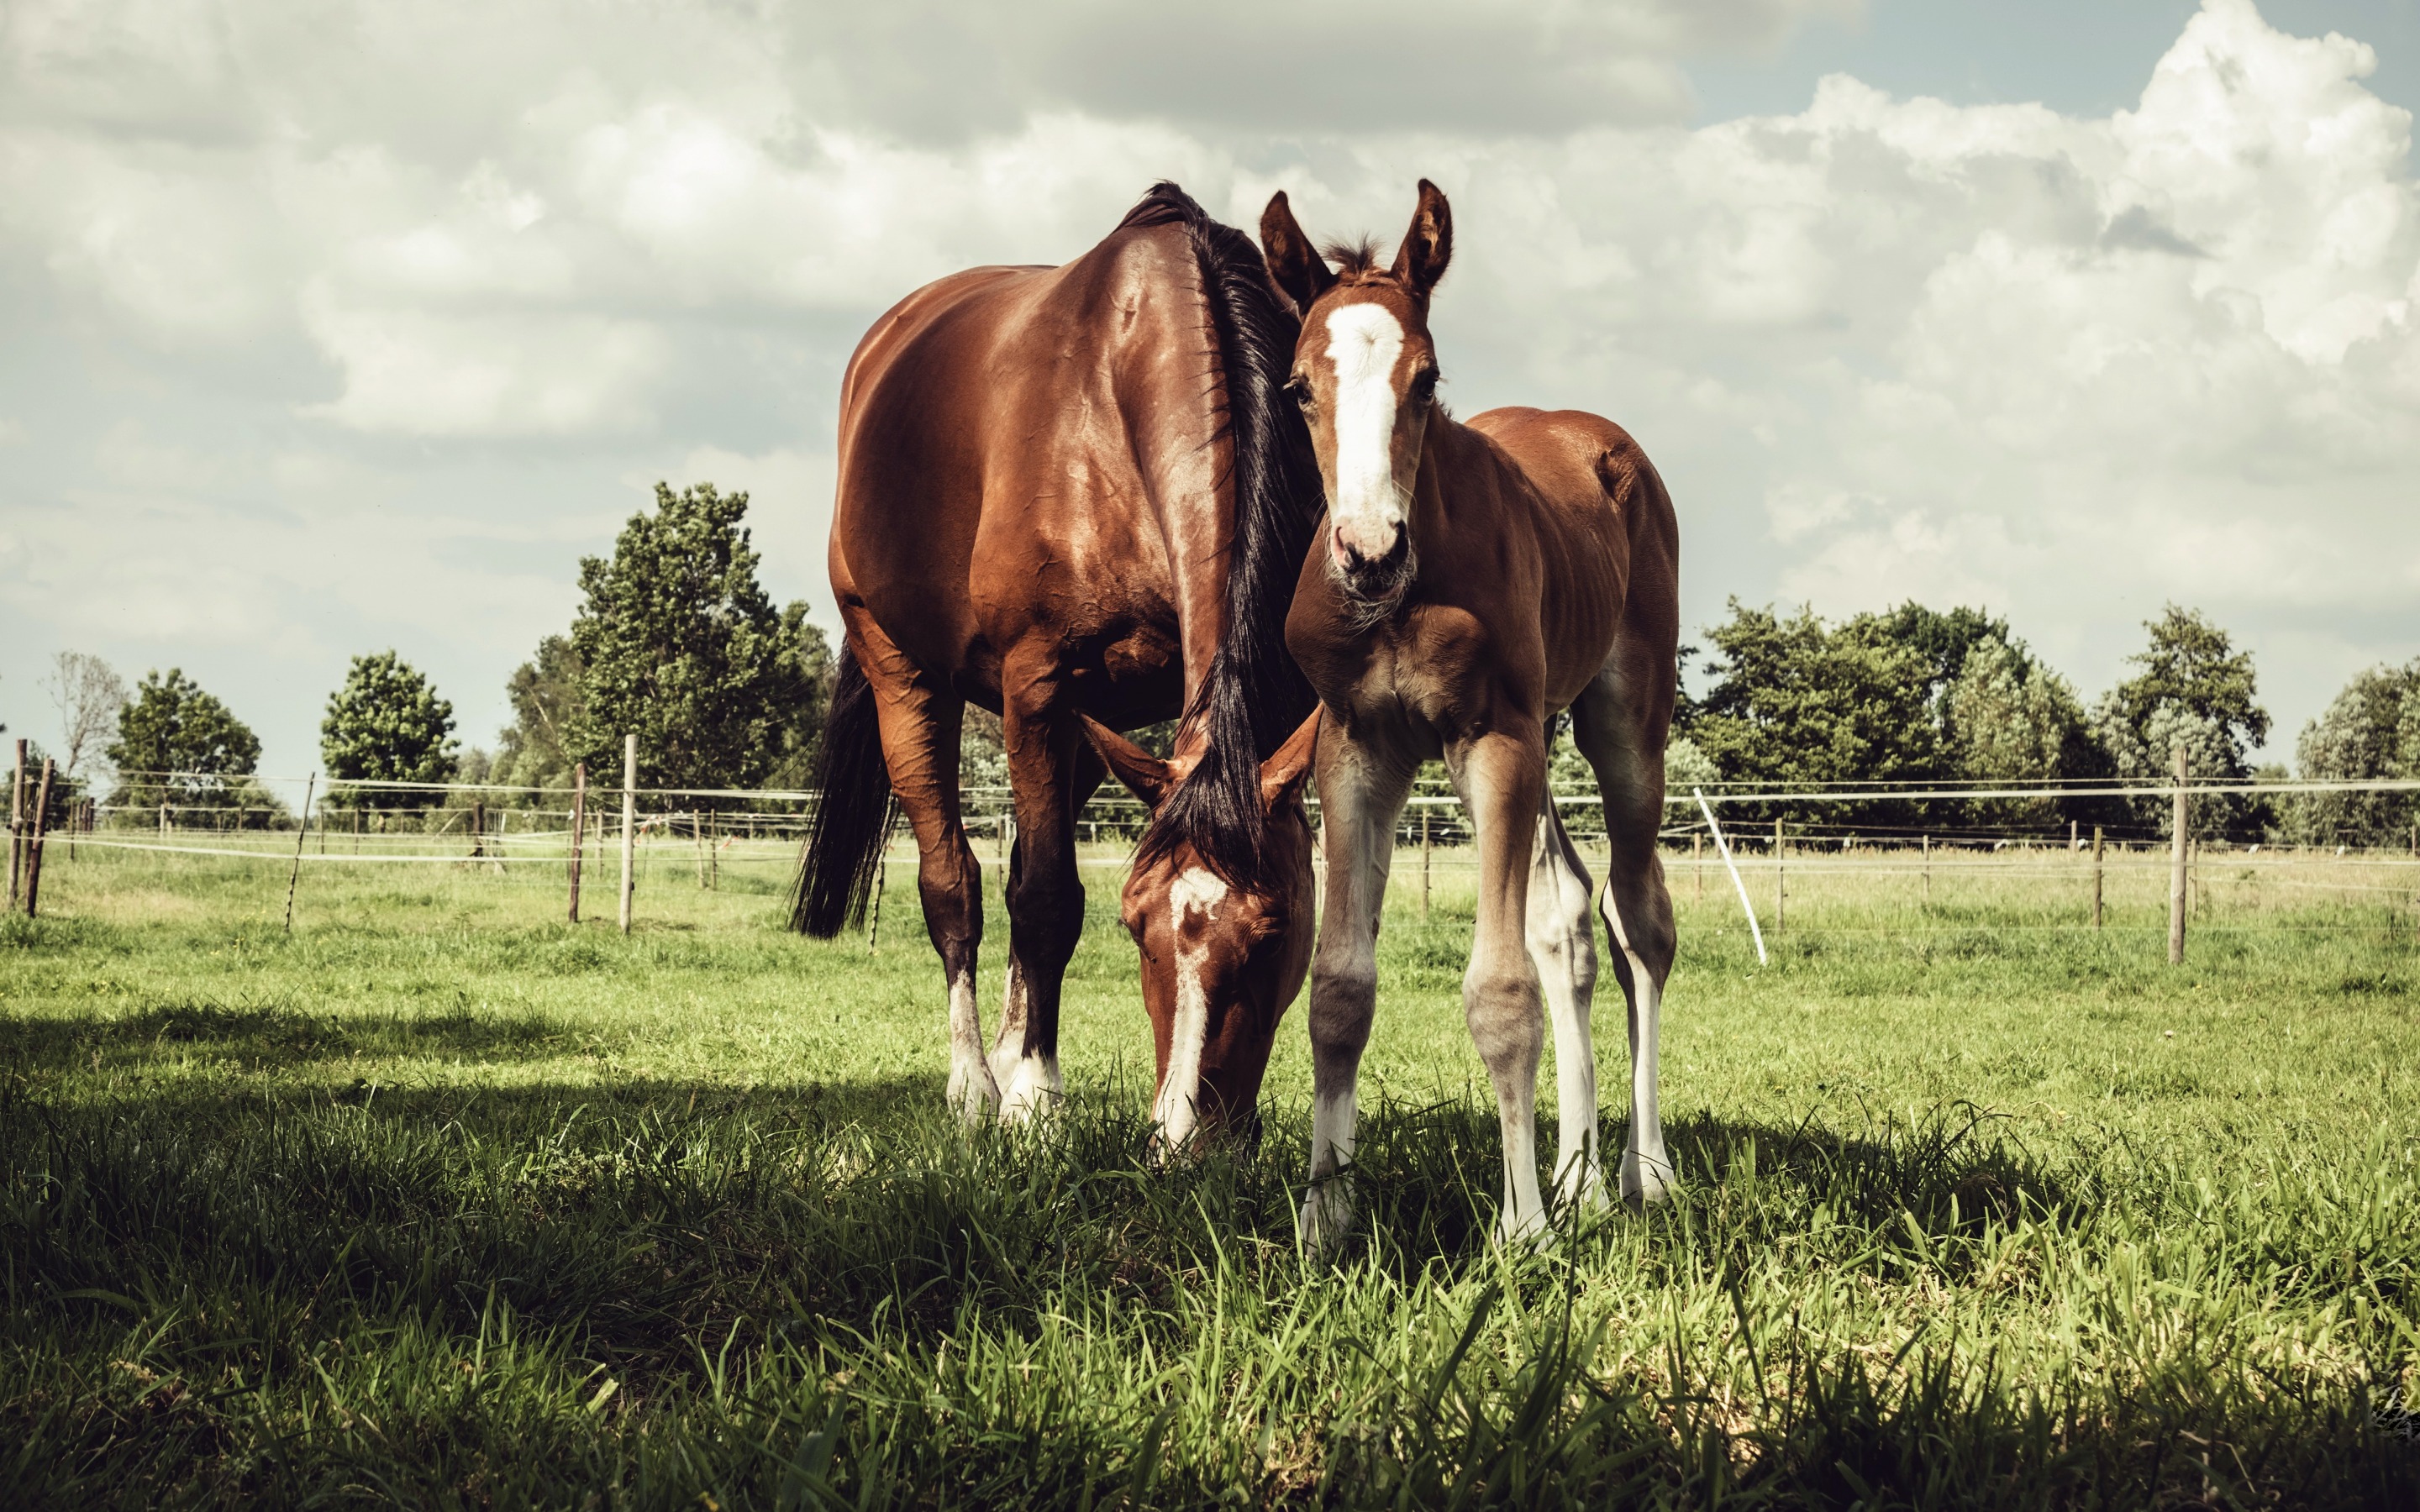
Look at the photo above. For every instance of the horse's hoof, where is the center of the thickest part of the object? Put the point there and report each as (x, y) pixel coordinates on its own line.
(1325, 1218)
(1031, 1089)
(1645, 1180)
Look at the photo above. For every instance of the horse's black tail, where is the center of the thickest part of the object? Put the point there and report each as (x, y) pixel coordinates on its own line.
(852, 811)
(1254, 695)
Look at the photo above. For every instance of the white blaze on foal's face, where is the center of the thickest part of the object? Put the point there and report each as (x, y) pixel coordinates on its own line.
(1364, 344)
(1194, 898)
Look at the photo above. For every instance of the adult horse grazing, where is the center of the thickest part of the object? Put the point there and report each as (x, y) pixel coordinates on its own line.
(1473, 581)
(1066, 492)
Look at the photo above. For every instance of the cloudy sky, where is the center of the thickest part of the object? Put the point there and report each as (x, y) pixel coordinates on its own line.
(327, 327)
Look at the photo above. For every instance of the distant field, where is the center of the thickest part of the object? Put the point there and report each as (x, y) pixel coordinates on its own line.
(444, 1201)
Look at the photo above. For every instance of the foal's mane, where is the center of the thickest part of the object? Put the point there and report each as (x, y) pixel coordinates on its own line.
(1254, 696)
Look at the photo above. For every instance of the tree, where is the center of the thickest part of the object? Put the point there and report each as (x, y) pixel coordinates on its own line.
(2194, 685)
(1801, 703)
(177, 744)
(1944, 640)
(87, 694)
(547, 698)
(679, 645)
(804, 696)
(387, 724)
(2371, 730)
(2010, 721)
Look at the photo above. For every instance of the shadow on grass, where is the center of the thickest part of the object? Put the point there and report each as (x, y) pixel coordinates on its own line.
(274, 1035)
(808, 1293)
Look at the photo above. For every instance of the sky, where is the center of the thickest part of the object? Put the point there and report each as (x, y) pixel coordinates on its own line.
(331, 328)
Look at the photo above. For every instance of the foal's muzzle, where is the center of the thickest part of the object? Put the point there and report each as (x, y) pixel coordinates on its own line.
(1371, 578)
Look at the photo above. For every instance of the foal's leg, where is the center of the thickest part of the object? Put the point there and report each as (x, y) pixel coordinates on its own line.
(1502, 778)
(1562, 946)
(920, 722)
(1361, 790)
(1048, 760)
(1638, 912)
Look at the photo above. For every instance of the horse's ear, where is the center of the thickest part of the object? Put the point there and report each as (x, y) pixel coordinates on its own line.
(1283, 774)
(1428, 246)
(1297, 266)
(1144, 775)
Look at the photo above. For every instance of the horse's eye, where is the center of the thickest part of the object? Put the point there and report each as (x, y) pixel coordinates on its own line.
(1424, 385)
(1298, 388)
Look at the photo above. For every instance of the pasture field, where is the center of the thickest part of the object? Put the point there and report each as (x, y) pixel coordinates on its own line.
(441, 1201)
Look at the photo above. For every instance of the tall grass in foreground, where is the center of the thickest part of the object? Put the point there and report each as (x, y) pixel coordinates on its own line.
(440, 1205)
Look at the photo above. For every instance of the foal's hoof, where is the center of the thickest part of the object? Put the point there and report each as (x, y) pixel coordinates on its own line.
(1645, 1179)
(1326, 1214)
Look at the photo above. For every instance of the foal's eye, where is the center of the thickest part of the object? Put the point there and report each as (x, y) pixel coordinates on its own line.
(1298, 388)
(1424, 385)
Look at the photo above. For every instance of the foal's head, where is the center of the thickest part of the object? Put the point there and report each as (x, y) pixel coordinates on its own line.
(1365, 373)
(1220, 959)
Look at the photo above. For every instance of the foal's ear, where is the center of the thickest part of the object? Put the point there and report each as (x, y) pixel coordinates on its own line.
(1297, 266)
(1428, 246)
(1144, 775)
(1283, 774)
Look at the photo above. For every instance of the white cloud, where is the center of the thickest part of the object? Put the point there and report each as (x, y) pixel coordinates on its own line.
(372, 294)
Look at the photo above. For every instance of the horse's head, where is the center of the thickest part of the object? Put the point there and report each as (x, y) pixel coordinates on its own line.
(1365, 373)
(1220, 959)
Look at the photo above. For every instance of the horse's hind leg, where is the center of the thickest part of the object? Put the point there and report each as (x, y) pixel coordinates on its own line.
(1637, 910)
(1562, 944)
(1051, 772)
(920, 723)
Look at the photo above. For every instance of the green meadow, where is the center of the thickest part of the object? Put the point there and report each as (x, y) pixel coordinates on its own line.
(440, 1200)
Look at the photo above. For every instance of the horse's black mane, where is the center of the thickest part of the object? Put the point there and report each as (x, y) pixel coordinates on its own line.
(1254, 695)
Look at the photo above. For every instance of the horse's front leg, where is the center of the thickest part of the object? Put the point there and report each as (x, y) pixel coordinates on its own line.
(1502, 778)
(1051, 772)
(1361, 791)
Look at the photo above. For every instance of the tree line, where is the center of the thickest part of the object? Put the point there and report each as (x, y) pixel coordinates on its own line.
(676, 641)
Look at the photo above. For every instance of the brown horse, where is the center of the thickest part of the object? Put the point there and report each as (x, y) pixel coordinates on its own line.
(1473, 581)
(1068, 492)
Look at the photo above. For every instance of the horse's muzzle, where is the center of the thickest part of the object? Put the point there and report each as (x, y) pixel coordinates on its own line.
(1371, 579)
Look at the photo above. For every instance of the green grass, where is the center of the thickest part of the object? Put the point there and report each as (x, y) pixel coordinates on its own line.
(442, 1201)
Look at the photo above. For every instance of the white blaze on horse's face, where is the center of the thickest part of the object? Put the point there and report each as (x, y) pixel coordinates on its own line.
(1194, 898)
(1367, 427)
(1364, 343)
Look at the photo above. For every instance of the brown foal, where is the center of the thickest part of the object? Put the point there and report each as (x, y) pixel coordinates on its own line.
(1066, 492)
(1472, 581)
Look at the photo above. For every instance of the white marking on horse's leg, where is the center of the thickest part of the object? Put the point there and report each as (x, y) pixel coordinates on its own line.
(1363, 343)
(973, 1090)
(1500, 995)
(1358, 801)
(1029, 1083)
(1646, 1168)
(1177, 1109)
(1562, 946)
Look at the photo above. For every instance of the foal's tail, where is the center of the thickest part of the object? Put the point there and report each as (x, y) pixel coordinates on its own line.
(852, 811)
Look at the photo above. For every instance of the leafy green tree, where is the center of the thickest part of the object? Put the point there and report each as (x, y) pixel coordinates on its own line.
(1944, 640)
(2010, 721)
(803, 698)
(2192, 687)
(678, 645)
(177, 744)
(387, 724)
(547, 695)
(2371, 730)
(1798, 703)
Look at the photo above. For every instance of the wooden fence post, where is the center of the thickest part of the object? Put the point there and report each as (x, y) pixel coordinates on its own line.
(578, 830)
(629, 823)
(1780, 882)
(2096, 877)
(2179, 823)
(478, 828)
(1928, 873)
(33, 845)
(1425, 845)
(1696, 867)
